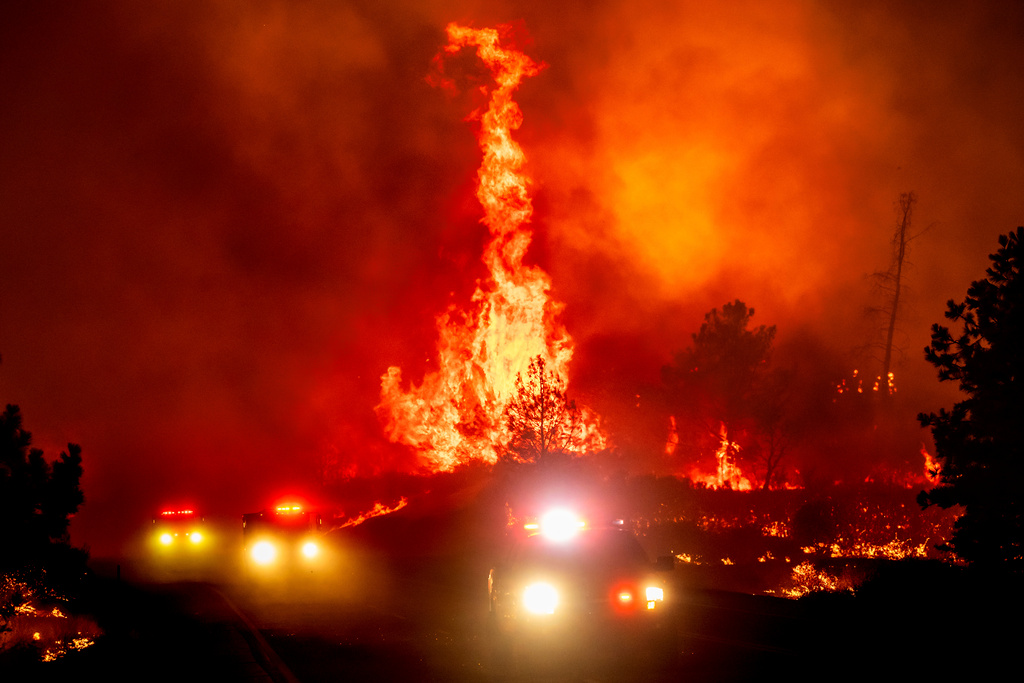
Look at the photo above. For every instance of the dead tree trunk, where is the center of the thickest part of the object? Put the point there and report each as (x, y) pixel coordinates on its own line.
(900, 239)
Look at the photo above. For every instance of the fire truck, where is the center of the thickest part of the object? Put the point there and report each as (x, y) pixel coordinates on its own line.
(178, 533)
(283, 540)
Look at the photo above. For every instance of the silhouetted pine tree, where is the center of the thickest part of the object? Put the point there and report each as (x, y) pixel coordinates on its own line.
(979, 442)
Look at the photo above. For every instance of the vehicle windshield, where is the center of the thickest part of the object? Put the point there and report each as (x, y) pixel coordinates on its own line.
(606, 548)
(284, 523)
(293, 520)
(177, 518)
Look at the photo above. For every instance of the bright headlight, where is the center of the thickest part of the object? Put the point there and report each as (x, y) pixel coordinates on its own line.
(540, 598)
(310, 549)
(655, 593)
(560, 525)
(166, 539)
(264, 552)
(195, 537)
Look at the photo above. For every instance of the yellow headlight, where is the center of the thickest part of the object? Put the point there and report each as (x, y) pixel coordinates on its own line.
(195, 537)
(655, 593)
(264, 553)
(540, 598)
(310, 549)
(166, 538)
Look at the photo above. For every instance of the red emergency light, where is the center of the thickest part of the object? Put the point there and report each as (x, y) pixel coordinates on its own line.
(176, 513)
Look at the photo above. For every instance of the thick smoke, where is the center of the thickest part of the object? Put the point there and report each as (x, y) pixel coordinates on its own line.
(223, 221)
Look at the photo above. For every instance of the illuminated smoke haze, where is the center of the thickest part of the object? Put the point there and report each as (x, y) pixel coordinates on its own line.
(222, 222)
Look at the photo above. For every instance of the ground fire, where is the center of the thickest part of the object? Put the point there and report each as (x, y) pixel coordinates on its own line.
(801, 540)
(456, 414)
(39, 617)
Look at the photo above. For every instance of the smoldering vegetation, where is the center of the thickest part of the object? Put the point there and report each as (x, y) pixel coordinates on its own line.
(747, 541)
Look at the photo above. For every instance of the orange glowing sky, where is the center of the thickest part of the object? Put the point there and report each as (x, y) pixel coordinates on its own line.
(222, 221)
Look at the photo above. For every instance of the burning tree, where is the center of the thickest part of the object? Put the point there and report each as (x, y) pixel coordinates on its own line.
(725, 397)
(456, 414)
(543, 423)
(979, 444)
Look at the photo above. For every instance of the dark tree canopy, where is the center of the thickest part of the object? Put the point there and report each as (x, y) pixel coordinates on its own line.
(725, 362)
(979, 442)
(37, 499)
(724, 379)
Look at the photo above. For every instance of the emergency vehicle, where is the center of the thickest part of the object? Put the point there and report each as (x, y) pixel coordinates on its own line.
(567, 575)
(283, 539)
(178, 533)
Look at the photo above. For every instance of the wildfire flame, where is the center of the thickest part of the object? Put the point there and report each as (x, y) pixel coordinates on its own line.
(377, 510)
(932, 468)
(456, 414)
(672, 442)
(728, 471)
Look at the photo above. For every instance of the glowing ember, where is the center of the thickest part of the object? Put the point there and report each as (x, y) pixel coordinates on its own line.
(457, 414)
(885, 385)
(34, 618)
(895, 549)
(806, 578)
(60, 648)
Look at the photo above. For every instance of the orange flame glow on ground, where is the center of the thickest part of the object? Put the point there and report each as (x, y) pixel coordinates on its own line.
(457, 413)
(37, 622)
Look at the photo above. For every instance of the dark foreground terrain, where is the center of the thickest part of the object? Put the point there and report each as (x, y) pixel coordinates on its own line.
(424, 619)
